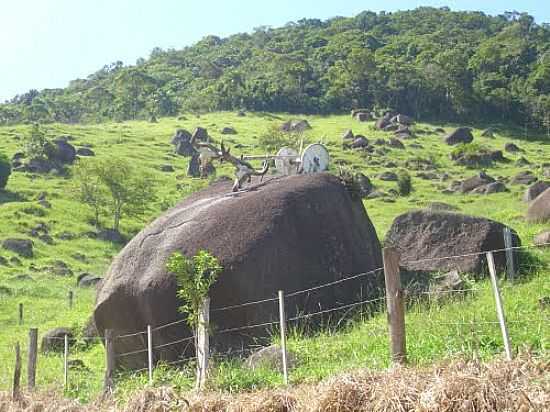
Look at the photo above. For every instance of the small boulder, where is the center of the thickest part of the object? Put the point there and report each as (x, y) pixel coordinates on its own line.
(364, 184)
(511, 148)
(497, 156)
(522, 161)
(270, 357)
(59, 268)
(228, 130)
(388, 176)
(111, 235)
(488, 132)
(241, 113)
(384, 121)
(474, 182)
(542, 239)
(494, 187)
(442, 286)
(54, 340)
(460, 135)
(402, 119)
(85, 151)
(539, 209)
(534, 190)
(396, 143)
(200, 134)
(167, 168)
(295, 126)
(61, 152)
(360, 142)
(182, 143)
(348, 135)
(524, 178)
(85, 280)
(23, 247)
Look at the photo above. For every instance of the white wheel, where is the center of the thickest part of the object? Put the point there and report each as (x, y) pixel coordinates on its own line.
(315, 158)
(286, 161)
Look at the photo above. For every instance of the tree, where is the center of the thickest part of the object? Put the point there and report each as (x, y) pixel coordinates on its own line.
(194, 277)
(5, 170)
(116, 186)
(35, 143)
(91, 190)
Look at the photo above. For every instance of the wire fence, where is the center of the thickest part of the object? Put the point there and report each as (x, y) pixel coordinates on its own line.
(146, 348)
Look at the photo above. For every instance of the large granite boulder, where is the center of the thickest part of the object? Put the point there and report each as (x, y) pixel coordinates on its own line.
(427, 238)
(287, 233)
(539, 209)
(532, 192)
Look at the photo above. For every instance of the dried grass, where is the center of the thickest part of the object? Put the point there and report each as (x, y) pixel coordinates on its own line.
(459, 386)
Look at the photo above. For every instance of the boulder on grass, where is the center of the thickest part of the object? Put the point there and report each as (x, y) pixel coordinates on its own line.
(428, 240)
(54, 340)
(348, 135)
(481, 179)
(539, 209)
(542, 239)
(270, 357)
(85, 151)
(524, 178)
(200, 134)
(384, 121)
(534, 190)
(23, 247)
(228, 130)
(360, 142)
(460, 135)
(288, 234)
(295, 126)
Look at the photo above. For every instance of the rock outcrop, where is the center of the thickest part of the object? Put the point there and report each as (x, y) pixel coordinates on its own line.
(288, 234)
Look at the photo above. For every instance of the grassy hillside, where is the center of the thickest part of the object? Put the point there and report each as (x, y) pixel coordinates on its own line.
(362, 342)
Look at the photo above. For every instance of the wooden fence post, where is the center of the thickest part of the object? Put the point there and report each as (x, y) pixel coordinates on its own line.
(282, 323)
(20, 313)
(395, 305)
(510, 263)
(66, 361)
(150, 354)
(499, 306)
(17, 373)
(33, 355)
(203, 346)
(110, 360)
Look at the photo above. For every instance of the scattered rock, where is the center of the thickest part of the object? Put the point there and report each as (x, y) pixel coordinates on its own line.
(384, 121)
(270, 357)
(228, 130)
(62, 152)
(402, 119)
(488, 132)
(54, 340)
(194, 167)
(364, 184)
(542, 239)
(85, 151)
(59, 268)
(182, 143)
(167, 168)
(360, 142)
(539, 209)
(524, 178)
(460, 135)
(388, 176)
(111, 235)
(86, 280)
(23, 247)
(376, 194)
(495, 187)
(396, 143)
(511, 148)
(442, 286)
(241, 113)
(497, 156)
(348, 135)
(295, 126)
(80, 257)
(534, 190)
(200, 134)
(473, 182)
(522, 161)
(362, 117)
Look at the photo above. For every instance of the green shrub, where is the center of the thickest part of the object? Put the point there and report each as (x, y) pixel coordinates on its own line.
(5, 170)
(404, 183)
(273, 139)
(467, 149)
(35, 144)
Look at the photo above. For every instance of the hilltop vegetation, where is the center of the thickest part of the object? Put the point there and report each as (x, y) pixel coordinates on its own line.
(428, 62)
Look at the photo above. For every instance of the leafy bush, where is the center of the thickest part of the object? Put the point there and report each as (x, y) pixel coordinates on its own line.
(404, 183)
(35, 144)
(274, 138)
(194, 277)
(5, 170)
(467, 149)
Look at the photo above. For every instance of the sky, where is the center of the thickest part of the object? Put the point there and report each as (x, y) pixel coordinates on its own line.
(47, 43)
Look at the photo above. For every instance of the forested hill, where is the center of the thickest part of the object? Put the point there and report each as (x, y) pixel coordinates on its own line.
(428, 62)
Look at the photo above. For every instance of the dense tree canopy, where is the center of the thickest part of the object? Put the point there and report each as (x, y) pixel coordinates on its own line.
(428, 62)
